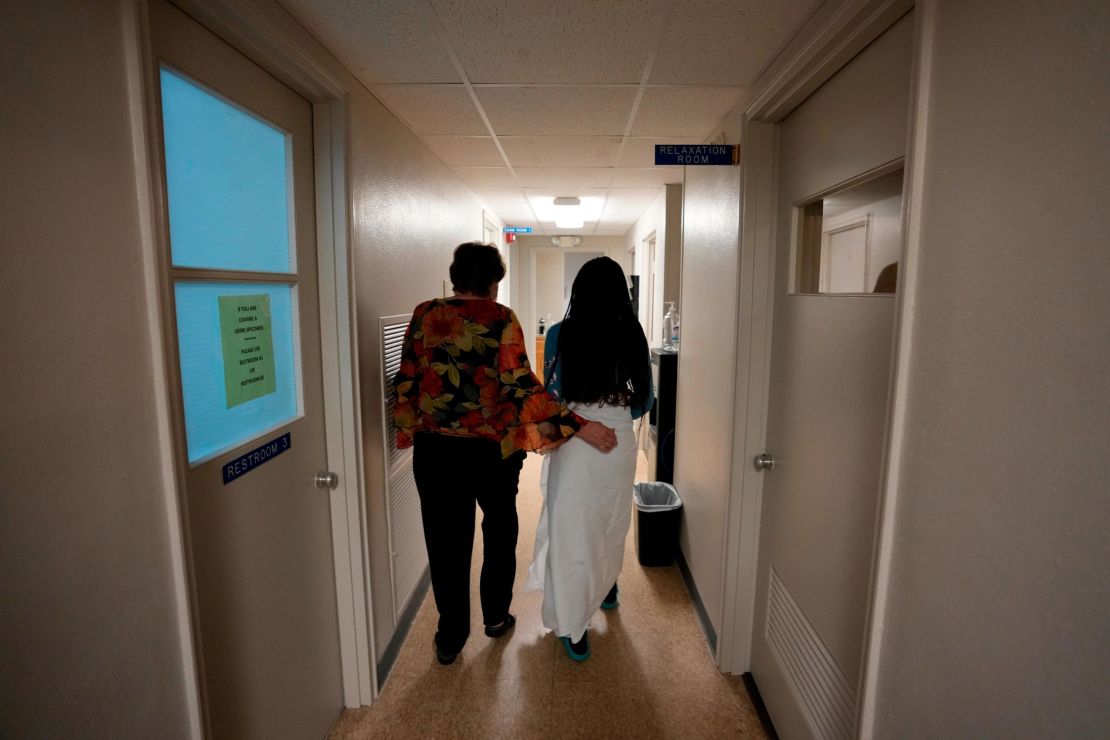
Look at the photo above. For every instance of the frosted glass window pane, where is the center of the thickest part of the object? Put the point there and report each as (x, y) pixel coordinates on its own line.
(218, 418)
(228, 179)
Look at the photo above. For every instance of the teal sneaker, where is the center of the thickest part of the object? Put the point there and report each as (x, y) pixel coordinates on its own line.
(579, 651)
(611, 601)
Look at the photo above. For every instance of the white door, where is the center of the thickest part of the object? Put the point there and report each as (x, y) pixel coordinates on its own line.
(238, 168)
(840, 156)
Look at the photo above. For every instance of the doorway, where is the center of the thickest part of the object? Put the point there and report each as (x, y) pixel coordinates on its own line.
(838, 212)
(238, 177)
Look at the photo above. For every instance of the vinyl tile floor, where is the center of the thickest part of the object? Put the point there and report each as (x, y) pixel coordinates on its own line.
(650, 675)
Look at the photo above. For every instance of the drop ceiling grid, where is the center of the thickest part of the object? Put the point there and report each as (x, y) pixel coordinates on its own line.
(561, 151)
(528, 41)
(557, 111)
(514, 95)
(433, 109)
(406, 49)
(748, 34)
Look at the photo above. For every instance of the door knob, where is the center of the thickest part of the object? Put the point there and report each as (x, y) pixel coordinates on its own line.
(326, 479)
(764, 461)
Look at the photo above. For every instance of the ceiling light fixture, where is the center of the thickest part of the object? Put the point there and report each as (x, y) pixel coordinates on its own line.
(568, 213)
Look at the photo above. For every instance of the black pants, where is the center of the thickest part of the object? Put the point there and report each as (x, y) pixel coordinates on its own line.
(451, 474)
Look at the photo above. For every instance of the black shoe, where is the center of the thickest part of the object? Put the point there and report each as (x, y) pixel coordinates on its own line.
(499, 630)
(444, 657)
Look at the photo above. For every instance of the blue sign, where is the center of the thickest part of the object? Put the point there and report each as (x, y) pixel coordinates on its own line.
(247, 462)
(694, 154)
(518, 229)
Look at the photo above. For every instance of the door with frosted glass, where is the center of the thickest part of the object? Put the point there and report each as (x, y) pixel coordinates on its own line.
(838, 245)
(238, 169)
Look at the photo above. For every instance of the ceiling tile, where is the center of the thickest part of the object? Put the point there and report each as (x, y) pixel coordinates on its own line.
(610, 228)
(486, 177)
(433, 109)
(520, 215)
(496, 196)
(465, 151)
(594, 110)
(746, 36)
(644, 177)
(643, 196)
(641, 152)
(546, 177)
(560, 151)
(380, 41)
(623, 212)
(684, 111)
(542, 41)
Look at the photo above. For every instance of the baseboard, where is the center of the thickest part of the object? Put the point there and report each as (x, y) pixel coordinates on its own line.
(759, 706)
(389, 657)
(699, 607)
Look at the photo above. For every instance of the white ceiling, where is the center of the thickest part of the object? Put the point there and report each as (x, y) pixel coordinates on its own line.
(527, 100)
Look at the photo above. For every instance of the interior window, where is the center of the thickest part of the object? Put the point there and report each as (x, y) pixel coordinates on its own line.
(849, 241)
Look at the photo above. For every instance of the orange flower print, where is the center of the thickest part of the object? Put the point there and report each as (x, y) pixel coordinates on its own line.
(524, 437)
(472, 420)
(431, 383)
(538, 406)
(440, 325)
(511, 353)
(484, 312)
(488, 390)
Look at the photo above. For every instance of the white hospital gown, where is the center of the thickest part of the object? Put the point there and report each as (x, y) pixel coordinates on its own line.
(587, 510)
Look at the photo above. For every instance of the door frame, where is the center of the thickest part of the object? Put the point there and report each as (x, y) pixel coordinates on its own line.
(264, 41)
(829, 39)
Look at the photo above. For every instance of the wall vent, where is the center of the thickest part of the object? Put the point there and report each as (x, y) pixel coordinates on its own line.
(821, 690)
(408, 556)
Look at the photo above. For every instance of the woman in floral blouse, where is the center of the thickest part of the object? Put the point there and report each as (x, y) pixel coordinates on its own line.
(470, 405)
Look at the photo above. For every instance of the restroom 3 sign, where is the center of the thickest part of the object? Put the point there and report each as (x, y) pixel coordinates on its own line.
(248, 347)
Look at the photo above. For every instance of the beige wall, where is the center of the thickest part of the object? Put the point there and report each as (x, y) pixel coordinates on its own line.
(664, 218)
(706, 368)
(672, 258)
(90, 635)
(996, 622)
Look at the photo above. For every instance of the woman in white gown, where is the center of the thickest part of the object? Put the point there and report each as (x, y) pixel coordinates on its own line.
(597, 361)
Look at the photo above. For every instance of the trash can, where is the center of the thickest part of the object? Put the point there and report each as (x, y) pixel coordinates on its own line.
(658, 515)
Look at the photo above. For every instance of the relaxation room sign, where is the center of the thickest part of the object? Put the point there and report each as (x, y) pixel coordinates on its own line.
(248, 344)
(695, 154)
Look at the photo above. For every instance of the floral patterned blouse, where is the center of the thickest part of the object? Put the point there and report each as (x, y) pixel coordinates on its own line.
(464, 372)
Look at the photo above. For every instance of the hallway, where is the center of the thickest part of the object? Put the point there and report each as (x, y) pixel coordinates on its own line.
(650, 675)
(218, 216)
